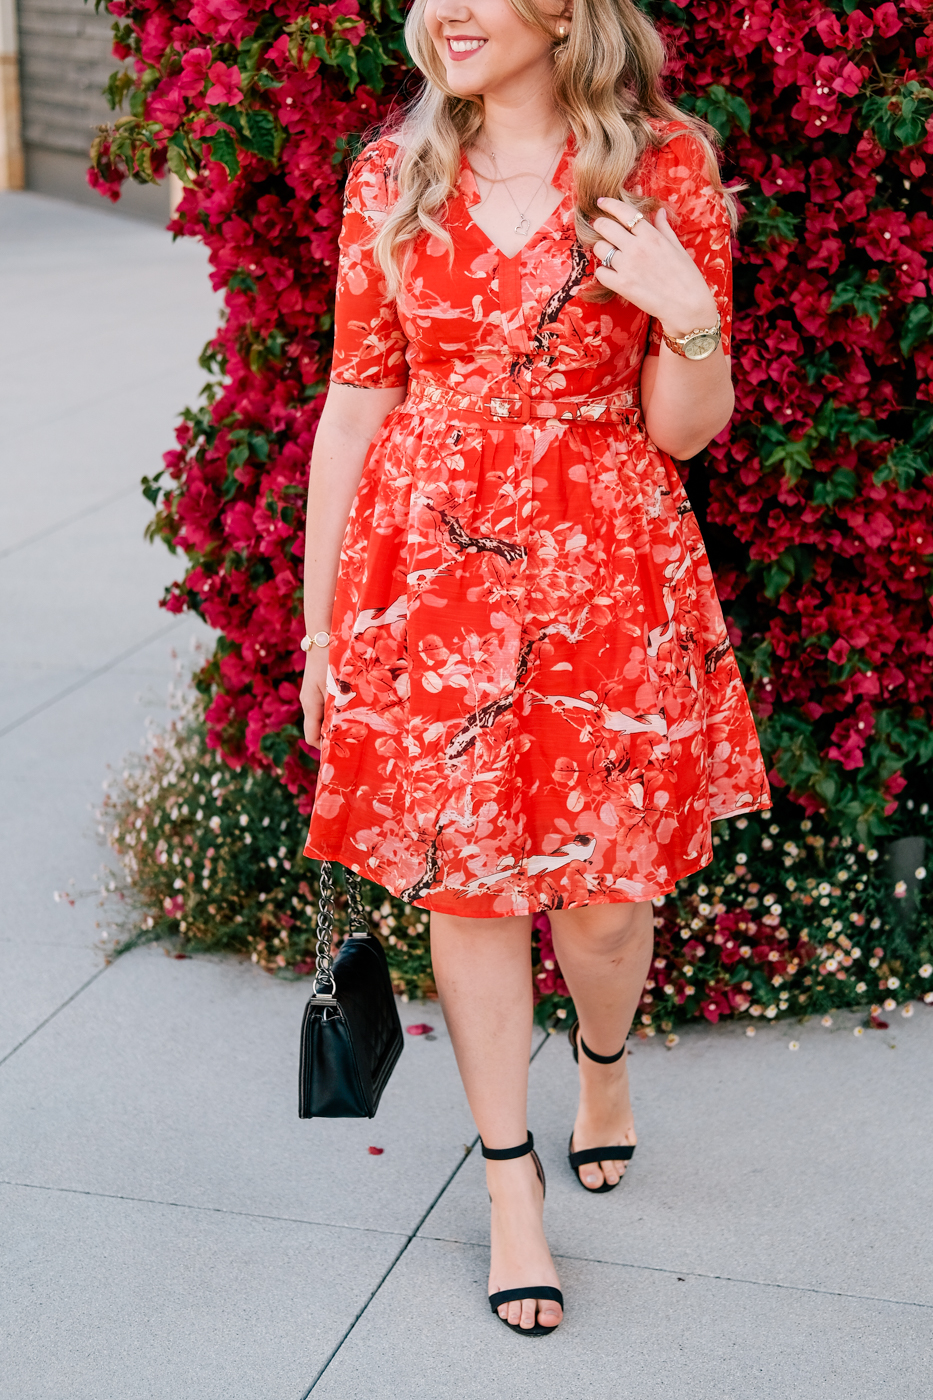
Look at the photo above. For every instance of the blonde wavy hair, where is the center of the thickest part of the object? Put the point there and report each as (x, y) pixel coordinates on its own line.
(607, 84)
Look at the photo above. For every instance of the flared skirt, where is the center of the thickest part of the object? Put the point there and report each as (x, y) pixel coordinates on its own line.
(532, 700)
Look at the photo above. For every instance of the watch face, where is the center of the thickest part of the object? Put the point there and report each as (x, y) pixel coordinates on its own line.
(699, 346)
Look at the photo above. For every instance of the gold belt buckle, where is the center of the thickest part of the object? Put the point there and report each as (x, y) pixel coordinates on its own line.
(502, 408)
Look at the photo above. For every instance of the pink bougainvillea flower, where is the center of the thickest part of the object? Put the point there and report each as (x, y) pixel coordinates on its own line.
(887, 19)
(376, 1151)
(834, 256)
(194, 66)
(226, 88)
(421, 1029)
(223, 18)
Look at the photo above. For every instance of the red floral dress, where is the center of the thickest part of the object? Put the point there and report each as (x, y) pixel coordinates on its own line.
(532, 700)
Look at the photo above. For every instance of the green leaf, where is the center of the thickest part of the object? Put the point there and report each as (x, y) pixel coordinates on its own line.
(764, 219)
(261, 133)
(898, 118)
(278, 746)
(223, 149)
(231, 486)
(151, 488)
(793, 457)
(842, 485)
(864, 294)
(241, 282)
(259, 446)
(826, 787)
(833, 419)
(917, 327)
(723, 110)
(923, 425)
(777, 574)
(118, 85)
(177, 164)
(232, 117)
(904, 465)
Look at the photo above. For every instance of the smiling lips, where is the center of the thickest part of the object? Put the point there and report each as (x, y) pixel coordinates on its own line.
(463, 47)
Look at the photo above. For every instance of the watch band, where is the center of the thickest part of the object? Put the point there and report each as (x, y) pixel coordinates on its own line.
(679, 343)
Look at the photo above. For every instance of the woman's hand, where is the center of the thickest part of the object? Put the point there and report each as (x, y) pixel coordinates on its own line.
(313, 690)
(652, 269)
(685, 402)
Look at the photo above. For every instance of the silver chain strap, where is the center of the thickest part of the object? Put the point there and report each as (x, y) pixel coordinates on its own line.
(359, 925)
(359, 921)
(323, 962)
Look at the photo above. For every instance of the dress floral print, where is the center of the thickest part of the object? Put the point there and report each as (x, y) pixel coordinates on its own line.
(532, 699)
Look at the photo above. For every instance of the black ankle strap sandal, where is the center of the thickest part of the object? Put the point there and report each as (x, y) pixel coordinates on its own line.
(574, 1036)
(618, 1153)
(539, 1292)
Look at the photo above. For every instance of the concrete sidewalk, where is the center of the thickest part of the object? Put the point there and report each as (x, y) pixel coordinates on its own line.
(169, 1228)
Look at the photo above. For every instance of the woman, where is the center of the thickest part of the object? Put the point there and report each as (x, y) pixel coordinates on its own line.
(524, 693)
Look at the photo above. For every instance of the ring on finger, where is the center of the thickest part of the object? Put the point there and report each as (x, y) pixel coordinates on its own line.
(630, 228)
(607, 260)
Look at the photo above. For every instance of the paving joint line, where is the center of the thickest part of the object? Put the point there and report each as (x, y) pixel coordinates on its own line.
(407, 1241)
(91, 676)
(718, 1278)
(69, 520)
(444, 1239)
(204, 1210)
(414, 1234)
(51, 1017)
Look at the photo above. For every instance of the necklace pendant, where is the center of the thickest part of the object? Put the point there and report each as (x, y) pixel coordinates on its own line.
(522, 226)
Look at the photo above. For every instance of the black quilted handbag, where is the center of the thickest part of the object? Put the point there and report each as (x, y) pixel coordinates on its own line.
(351, 1035)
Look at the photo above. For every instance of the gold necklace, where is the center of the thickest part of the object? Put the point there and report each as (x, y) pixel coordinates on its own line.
(524, 224)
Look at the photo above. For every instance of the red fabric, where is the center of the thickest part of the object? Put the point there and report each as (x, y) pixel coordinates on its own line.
(533, 702)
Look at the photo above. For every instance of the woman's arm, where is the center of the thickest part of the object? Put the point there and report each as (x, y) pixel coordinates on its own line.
(685, 402)
(350, 420)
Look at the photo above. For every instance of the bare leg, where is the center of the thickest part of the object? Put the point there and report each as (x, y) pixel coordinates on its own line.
(604, 951)
(483, 972)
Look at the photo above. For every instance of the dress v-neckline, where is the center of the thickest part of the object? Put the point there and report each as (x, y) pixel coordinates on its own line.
(560, 181)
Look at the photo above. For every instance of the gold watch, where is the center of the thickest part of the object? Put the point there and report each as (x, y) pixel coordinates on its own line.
(695, 345)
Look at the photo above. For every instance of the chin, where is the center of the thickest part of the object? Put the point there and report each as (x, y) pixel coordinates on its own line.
(458, 85)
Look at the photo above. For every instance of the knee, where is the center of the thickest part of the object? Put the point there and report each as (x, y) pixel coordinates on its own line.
(604, 930)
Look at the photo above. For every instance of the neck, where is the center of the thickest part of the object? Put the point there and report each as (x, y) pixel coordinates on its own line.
(522, 123)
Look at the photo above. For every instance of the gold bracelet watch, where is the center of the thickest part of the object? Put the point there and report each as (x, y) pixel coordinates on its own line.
(695, 345)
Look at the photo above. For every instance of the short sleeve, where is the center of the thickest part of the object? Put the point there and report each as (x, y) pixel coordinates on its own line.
(369, 343)
(699, 216)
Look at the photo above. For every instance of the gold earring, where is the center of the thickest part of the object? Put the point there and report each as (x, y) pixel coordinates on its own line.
(562, 30)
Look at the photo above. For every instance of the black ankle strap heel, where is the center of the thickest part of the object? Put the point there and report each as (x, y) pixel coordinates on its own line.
(505, 1154)
(618, 1153)
(575, 1038)
(539, 1292)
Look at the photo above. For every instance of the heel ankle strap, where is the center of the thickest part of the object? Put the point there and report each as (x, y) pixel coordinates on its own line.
(600, 1059)
(505, 1154)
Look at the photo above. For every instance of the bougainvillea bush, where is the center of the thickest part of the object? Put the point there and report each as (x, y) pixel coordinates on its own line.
(790, 919)
(816, 502)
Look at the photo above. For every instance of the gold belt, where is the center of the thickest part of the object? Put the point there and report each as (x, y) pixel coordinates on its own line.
(521, 408)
